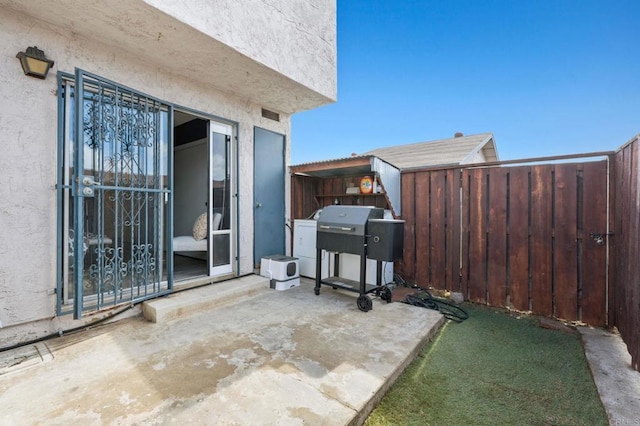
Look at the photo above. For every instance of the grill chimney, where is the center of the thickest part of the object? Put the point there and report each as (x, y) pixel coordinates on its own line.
(458, 134)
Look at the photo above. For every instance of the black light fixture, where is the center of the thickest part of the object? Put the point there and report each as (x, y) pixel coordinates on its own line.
(34, 62)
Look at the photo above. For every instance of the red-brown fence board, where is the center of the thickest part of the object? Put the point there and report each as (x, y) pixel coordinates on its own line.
(630, 299)
(541, 239)
(594, 264)
(635, 250)
(422, 207)
(518, 260)
(618, 200)
(615, 203)
(565, 248)
(477, 268)
(621, 236)
(497, 238)
(438, 248)
(635, 253)
(626, 306)
(408, 214)
(452, 199)
(624, 309)
(465, 184)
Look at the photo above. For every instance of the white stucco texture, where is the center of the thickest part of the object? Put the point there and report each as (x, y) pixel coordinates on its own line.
(296, 38)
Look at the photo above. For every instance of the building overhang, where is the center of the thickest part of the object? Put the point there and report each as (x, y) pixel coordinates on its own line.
(163, 40)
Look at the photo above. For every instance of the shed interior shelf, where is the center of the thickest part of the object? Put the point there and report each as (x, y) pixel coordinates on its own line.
(378, 194)
(316, 185)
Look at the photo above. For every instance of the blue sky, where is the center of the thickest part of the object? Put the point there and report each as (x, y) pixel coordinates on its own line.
(546, 77)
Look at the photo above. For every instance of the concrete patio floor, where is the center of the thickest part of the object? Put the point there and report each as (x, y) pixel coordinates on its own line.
(230, 353)
(238, 353)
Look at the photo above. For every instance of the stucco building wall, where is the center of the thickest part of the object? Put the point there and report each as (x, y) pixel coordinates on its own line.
(28, 134)
(297, 38)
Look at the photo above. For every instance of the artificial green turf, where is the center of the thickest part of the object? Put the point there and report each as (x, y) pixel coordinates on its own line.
(495, 369)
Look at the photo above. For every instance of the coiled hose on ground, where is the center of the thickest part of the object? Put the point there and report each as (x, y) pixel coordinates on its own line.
(425, 299)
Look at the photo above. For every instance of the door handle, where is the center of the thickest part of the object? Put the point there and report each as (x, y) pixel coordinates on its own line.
(258, 205)
(85, 185)
(88, 180)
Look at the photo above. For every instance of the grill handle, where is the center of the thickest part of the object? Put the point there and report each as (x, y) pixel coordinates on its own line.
(339, 228)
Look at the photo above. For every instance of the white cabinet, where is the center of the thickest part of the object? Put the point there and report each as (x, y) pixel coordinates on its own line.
(304, 248)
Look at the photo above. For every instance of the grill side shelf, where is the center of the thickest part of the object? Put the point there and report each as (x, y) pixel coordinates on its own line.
(342, 283)
(347, 284)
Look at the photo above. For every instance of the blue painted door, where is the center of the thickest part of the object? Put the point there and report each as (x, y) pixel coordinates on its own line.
(269, 213)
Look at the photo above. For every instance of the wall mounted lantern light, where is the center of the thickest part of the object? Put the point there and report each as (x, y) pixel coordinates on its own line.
(34, 63)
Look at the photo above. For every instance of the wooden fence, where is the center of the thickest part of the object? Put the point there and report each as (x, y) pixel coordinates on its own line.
(624, 299)
(518, 237)
(523, 237)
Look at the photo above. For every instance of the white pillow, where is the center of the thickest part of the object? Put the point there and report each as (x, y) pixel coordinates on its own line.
(200, 227)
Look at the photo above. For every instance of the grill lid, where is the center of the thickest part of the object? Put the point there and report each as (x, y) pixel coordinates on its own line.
(347, 219)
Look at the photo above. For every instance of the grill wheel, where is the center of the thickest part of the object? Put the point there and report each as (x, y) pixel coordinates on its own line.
(386, 295)
(364, 303)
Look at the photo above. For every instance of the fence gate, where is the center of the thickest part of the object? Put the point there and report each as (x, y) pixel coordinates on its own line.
(533, 238)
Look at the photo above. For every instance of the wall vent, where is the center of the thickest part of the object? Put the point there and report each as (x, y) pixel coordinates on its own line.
(270, 115)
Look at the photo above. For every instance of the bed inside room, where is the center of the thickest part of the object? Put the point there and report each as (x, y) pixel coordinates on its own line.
(201, 197)
(190, 242)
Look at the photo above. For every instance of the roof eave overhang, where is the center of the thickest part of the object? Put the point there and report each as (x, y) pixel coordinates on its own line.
(487, 143)
(161, 40)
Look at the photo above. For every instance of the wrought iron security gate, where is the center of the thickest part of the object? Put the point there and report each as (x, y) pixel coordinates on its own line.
(116, 190)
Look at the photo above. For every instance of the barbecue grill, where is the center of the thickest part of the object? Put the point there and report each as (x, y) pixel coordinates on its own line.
(347, 229)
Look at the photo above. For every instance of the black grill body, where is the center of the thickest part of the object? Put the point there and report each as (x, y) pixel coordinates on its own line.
(385, 239)
(348, 229)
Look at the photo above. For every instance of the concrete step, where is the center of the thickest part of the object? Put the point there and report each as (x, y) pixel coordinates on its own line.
(198, 299)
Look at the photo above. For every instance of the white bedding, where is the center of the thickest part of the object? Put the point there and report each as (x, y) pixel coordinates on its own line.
(188, 243)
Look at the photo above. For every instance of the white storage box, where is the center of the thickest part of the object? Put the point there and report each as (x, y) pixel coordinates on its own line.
(284, 285)
(279, 267)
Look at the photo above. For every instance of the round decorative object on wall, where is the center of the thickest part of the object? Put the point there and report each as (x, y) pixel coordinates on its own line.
(366, 185)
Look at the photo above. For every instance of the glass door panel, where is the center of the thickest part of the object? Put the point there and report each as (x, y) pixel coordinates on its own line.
(220, 205)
